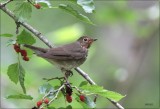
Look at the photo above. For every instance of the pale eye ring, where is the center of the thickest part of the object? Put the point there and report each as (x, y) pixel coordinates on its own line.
(85, 39)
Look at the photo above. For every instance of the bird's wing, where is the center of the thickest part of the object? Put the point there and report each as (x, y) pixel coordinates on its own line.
(66, 52)
(37, 50)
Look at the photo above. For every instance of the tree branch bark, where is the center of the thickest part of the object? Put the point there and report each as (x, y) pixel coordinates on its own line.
(43, 39)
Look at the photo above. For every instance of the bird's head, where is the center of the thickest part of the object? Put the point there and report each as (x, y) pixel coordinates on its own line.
(86, 41)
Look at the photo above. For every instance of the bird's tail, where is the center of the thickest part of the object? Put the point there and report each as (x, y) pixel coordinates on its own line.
(37, 50)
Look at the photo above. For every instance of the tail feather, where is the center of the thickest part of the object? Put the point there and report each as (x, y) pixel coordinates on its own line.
(37, 50)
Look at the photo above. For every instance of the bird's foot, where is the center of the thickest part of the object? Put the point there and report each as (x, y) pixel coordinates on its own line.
(68, 73)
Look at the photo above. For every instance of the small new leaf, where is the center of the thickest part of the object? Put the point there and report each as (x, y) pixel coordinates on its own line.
(20, 96)
(23, 11)
(10, 42)
(13, 72)
(25, 38)
(90, 102)
(6, 35)
(102, 92)
(87, 5)
(45, 88)
(75, 13)
(83, 83)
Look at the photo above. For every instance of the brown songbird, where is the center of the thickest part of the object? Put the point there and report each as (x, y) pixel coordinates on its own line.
(66, 57)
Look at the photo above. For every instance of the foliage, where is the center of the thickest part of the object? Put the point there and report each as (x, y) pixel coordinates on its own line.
(23, 11)
(16, 72)
(6, 35)
(94, 89)
(20, 96)
(75, 13)
(21, 38)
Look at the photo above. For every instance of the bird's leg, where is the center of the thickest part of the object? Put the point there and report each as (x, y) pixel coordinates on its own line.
(69, 73)
(66, 75)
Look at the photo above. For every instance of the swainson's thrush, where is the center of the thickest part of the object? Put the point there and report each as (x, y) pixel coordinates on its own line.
(66, 56)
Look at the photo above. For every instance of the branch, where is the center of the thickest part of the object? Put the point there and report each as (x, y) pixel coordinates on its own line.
(43, 39)
(27, 26)
(5, 3)
(116, 104)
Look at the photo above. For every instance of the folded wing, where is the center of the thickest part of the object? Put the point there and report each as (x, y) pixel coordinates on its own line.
(67, 52)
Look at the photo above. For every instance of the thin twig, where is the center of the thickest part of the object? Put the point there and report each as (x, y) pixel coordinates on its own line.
(77, 89)
(30, 2)
(49, 93)
(43, 39)
(17, 27)
(56, 94)
(59, 78)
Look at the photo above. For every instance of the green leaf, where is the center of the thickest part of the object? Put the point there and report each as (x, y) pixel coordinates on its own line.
(92, 88)
(21, 77)
(45, 88)
(87, 5)
(29, 52)
(25, 38)
(83, 83)
(102, 92)
(23, 11)
(49, 107)
(111, 95)
(69, 107)
(20, 96)
(6, 35)
(45, 4)
(16, 73)
(75, 13)
(13, 72)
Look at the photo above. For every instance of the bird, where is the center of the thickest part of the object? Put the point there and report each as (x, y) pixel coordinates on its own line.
(66, 57)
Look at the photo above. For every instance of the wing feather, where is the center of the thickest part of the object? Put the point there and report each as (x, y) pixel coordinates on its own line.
(67, 52)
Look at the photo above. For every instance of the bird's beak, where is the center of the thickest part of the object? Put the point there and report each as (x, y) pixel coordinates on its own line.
(94, 39)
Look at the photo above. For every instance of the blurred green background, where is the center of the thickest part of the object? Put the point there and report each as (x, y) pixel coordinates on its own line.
(125, 58)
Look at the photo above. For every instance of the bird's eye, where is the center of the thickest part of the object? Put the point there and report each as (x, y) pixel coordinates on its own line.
(85, 39)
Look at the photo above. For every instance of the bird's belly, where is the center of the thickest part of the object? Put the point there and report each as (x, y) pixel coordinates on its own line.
(70, 64)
